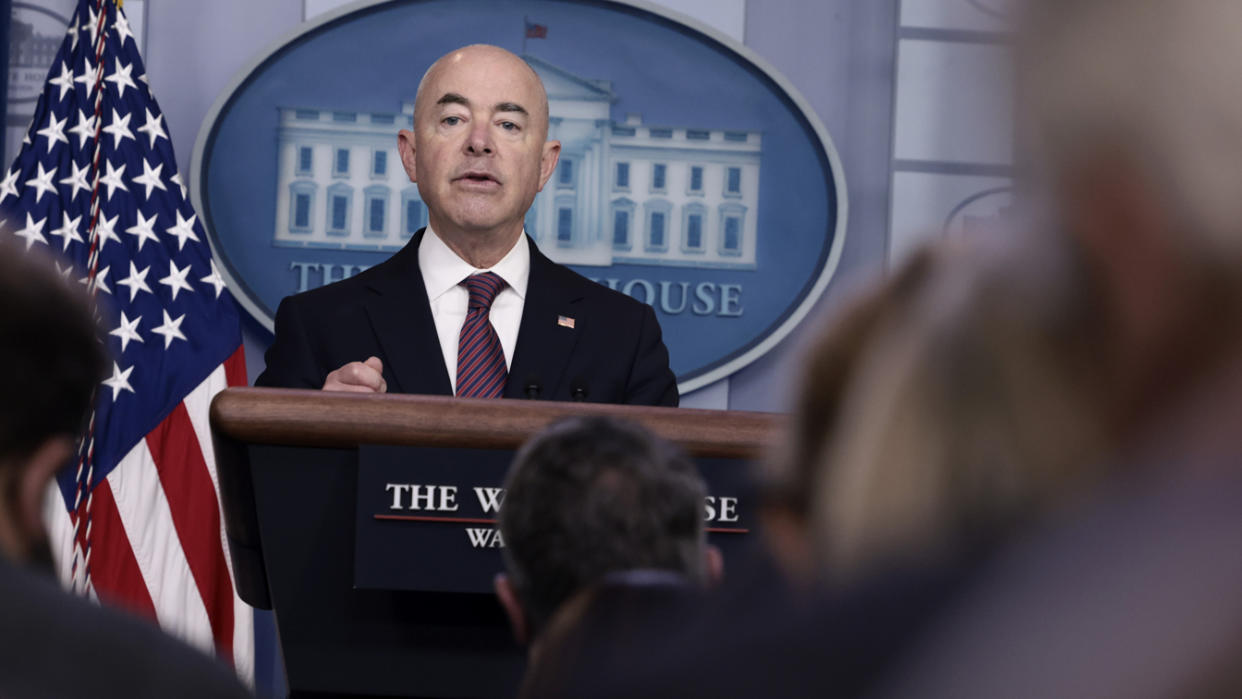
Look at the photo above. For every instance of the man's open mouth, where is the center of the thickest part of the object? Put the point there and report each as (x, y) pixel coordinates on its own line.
(477, 177)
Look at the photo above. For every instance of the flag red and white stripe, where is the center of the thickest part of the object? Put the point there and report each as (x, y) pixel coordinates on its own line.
(139, 559)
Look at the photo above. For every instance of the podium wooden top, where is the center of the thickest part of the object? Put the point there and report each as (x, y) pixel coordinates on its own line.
(341, 420)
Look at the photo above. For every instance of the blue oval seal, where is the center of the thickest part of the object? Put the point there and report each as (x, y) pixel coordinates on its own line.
(692, 175)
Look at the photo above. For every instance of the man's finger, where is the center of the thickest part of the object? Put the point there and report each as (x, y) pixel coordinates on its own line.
(362, 374)
(357, 376)
(339, 387)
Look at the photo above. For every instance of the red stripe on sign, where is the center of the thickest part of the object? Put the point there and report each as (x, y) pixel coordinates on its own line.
(235, 368)
(196, 517)
(114, 570)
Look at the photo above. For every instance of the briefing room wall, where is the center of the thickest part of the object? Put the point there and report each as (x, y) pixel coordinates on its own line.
(839, 55)
(925, 133)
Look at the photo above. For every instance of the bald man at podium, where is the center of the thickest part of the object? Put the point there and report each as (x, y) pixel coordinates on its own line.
(470, 306)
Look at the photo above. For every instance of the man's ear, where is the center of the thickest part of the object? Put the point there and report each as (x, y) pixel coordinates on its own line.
(405, 146)
(513, 608)
(547, 162)
(713, 565)
(22, 529)
(41, 468)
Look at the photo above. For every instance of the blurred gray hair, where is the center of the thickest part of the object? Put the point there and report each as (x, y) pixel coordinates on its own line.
(1158, 79)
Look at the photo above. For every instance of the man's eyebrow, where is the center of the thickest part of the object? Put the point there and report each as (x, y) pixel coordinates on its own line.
(453, 98)
(511, 107)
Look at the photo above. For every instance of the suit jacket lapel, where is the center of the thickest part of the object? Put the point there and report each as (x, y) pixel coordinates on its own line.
(544, 345)
(401, 317)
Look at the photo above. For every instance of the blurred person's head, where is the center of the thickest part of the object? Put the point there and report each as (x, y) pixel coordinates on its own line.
(1131, 125)
(589, 497)
(789, 478)
(52, 358)
(970, 409)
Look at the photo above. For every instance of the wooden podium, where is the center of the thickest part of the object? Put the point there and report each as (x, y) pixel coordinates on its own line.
(302, 543)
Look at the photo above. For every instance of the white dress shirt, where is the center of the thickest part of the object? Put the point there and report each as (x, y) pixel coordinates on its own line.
(443, 271)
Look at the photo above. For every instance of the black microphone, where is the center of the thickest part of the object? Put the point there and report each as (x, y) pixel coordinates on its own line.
(532, 387)
(578, 390)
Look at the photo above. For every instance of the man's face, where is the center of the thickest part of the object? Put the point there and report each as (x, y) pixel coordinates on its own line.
(478, 150)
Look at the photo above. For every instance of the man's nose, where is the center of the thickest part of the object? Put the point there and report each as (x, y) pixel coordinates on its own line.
(479, 142)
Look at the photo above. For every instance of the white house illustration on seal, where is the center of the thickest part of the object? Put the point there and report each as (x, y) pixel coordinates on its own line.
(623, 193)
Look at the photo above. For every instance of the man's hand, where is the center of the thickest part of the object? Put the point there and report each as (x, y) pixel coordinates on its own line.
(358, 377)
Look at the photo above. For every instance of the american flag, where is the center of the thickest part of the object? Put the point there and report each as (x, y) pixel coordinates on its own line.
(136, 517)
(536, 31)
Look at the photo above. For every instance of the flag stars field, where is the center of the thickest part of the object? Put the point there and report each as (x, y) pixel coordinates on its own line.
(127, 331)
(68, 231)
(176, 179)
(119, 381)
(77, 179)
(118, 129)
(175, 281)
(112, 179)
(87, 77)
(54, 132)
(64, 81)
(105, 230)
(121, 77)
(136, 282)
(171, 329)
(184, 230)
(101, 280)
(84, 129)
(144, 230)
(33, 232)
(42, 182)
(92, 25)
(214, 279)
(152, 128)
(122, 29)
(8, 187)
(150, 178)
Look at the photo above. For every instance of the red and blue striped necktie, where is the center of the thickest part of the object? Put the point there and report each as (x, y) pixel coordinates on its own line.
(481, 371)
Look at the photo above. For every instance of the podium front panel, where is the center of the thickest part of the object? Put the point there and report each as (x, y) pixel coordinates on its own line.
(426, 516)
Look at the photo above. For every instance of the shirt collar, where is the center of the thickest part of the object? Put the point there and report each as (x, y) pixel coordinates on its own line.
(442, 268)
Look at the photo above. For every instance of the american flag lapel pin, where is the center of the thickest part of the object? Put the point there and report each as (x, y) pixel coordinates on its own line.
(565, 322)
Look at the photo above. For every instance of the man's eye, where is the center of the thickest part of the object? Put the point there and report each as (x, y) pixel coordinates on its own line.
(508, 126)
(451, 121)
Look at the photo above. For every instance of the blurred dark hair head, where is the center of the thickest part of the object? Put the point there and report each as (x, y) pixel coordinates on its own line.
(590, 496)
(50, 352)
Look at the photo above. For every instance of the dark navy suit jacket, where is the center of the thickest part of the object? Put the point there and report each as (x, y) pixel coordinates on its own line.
(613, 353)
(53, 644)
